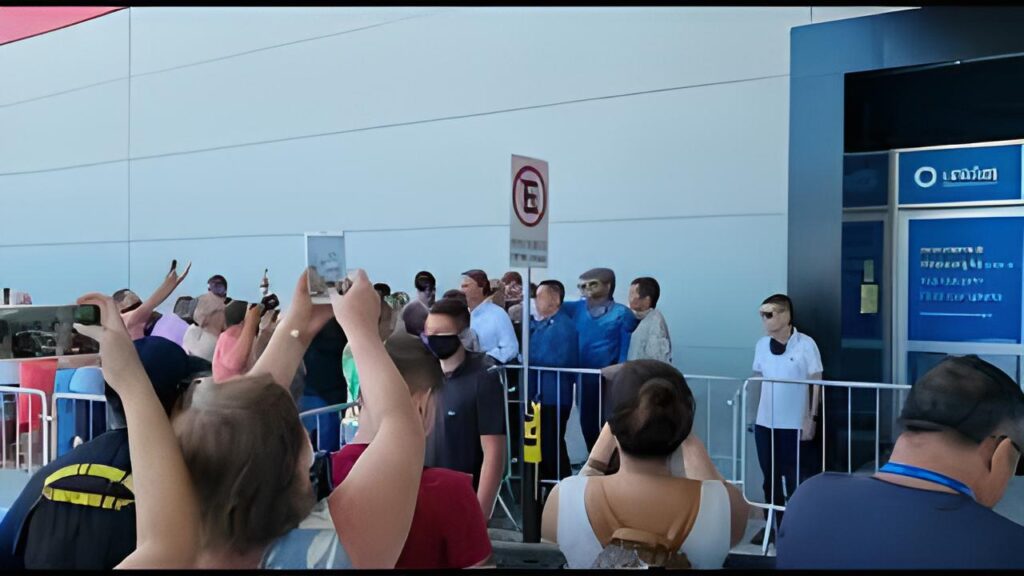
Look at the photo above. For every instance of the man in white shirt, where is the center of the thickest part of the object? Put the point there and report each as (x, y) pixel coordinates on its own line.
(489, 321)
(786, 412)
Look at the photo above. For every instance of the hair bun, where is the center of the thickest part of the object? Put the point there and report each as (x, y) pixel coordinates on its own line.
(660, 393)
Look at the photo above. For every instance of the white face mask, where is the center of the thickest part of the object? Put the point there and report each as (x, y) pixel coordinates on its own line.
(533, 310)
(642, 315)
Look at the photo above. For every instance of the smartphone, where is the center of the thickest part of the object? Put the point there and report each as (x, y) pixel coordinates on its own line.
(325, 258)
(45, 331)
(87, 314)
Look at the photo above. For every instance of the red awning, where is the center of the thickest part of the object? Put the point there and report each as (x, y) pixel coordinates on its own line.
(20, 22)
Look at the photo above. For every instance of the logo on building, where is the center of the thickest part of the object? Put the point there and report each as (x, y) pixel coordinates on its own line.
(926, 177)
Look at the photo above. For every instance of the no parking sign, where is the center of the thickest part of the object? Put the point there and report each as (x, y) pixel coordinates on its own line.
(528, 246)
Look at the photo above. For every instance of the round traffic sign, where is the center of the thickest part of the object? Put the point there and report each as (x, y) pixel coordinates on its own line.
(529, 196)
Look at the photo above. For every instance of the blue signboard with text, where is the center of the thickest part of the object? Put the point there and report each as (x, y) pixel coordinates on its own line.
(980, 174)
(965, 279)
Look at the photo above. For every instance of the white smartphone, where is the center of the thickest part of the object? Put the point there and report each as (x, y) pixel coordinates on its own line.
(325, 256)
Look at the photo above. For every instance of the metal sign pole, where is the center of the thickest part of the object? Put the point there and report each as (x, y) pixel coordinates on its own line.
(531, 473)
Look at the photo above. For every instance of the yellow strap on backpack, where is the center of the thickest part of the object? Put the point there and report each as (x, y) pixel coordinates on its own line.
(105, 501)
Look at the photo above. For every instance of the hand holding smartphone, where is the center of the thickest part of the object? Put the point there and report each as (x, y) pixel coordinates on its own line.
(325, 259)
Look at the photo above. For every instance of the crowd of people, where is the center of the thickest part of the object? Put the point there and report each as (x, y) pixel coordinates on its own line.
(207, 464)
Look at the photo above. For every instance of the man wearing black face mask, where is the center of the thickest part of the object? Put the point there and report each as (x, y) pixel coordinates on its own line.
(469, 431)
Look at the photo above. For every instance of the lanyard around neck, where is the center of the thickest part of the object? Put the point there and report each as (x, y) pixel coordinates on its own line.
(922, 474)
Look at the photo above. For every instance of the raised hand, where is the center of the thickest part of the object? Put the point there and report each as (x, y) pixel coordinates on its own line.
(359, 308)
(303, 315)
(118, 358)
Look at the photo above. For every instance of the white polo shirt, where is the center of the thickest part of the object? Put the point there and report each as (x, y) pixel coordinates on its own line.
(784, 405)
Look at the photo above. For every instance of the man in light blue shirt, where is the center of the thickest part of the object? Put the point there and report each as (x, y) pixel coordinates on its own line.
(491, 323)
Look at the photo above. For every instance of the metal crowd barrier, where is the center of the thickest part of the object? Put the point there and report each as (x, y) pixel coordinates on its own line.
(76, 399)
(710, 382)
(733, 403)
(773, 507)
(523, 385)
(26, 459)
(319, 412)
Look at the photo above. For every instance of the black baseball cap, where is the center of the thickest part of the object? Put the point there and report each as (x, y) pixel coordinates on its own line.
(970, 396)
(167, 366)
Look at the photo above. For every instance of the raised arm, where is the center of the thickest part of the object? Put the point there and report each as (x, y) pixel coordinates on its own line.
(166, 508)
(698, 466)
(139, 316)
(283, 354)
(373, 508)
(237, 358)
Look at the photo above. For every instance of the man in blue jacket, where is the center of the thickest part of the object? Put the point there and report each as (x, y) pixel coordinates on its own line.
(554, 343)
(604, 328)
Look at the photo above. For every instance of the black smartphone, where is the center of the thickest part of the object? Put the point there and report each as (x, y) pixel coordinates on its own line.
(174, 265)
(87, 314)
(270, 302)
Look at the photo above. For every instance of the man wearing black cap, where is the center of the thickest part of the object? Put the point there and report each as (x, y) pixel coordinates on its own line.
(930, 506)
(44, 530)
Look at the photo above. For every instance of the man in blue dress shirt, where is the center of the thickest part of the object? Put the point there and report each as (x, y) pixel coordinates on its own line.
(554, 343)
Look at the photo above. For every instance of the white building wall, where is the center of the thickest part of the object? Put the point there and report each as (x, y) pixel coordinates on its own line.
(220, 135)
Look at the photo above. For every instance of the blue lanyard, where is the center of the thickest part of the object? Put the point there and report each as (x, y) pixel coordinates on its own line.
(922, 474)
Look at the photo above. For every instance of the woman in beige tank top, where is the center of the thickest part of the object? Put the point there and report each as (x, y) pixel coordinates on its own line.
(700, 516)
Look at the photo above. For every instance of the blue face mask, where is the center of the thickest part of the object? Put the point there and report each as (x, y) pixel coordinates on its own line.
(218, 289)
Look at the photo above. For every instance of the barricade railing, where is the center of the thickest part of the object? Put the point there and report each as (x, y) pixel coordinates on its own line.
(732, 401)
(560, 374)
(319, 413)
(76, 399)
(732, 455)
(14, 419)
(774, 507)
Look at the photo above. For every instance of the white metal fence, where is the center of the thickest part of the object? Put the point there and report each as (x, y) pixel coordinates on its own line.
(76, 399)
(25, 432)
(724, 451)
(771, 502)
(345, 431)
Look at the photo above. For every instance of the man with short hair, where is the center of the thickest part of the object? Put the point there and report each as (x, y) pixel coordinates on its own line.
(448, 529)
(650, 340)
(554, 343)
(786, 412)
(930, 506)
(490, 322)
(605, 328)
(418, 307)
(469, 431)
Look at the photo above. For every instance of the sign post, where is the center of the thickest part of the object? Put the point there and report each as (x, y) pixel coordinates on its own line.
(528, 248)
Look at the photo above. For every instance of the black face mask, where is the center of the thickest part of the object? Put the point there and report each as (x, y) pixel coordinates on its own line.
(442, 346)
(778, 348)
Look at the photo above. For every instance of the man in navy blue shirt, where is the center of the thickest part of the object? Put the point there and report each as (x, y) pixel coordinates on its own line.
(554, 343)
(930, 506)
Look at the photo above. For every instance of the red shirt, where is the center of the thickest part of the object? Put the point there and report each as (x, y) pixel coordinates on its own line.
(448, 528)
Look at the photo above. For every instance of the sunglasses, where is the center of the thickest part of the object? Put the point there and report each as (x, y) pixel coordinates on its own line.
(588, 284)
